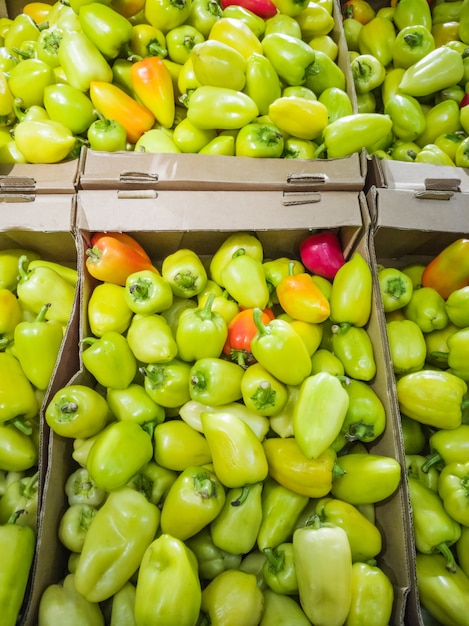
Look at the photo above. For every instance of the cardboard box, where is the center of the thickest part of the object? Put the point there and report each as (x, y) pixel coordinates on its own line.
(164, 222)
(45, 225)
(407, 229)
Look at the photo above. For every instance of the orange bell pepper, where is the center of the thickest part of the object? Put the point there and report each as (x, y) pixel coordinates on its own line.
(114, 103)
(152, 84)
(124, 238)
(301, 298)
(112, 261)
(449, 270)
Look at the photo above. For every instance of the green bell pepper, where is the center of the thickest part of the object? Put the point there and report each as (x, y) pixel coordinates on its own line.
(177, 446)
(18, 451)
(106, 28)
(211, 559)
(153, 481)
(412, 43)
(407, 346)
(440, 68)
(352, 133)
(201, 332)
(118, 453)
(351, 293)
(319, 413)
(150, 339)
(244, 279)
(457, 307)
(262, 393)
(442, 117)
(443, 593)
(323, 73)
(365, 478)
(278, 347)
(147, 292)
(236, 527)
(77, 411)
(107, 309)
(453, 490)
(418, 469)
(230, 109)
(17, 544)
(82, 61)
(69, 106)
(123, 606)
(21, 496)
(134, 404)
(372, 595)
(194, 500)
(214, 381)
(448, 446)
(9, 259)
(282, 609)
(115, 543)
(325, 589)
(237, 454)
(413, 435)
(223, 255)
(80, 488)
(43, 285)
(427, 309)
(74, 525)
(462, 553)
(365, 419)
(434, 529)
(185, 273)
(457, 355)
(368, 73)
(232, 598)
(18, 401)
(434, 155)
(364, 537)
(432, 397)
(262, 82)
(170, 567)
(110, 360)
(289, 55)
(279, 569)
(408, 119)
(168, 384)
(354, 348)
(63, 603)
(281, 508)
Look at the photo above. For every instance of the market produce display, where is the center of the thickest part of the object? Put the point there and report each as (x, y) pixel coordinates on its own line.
(409, 61)
(261, 80)
(36, 299)
(221, 469)
(427, 318)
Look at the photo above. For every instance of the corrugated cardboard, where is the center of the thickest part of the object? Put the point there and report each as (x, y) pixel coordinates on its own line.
(162, 223)
(407, 229)
(45, 225)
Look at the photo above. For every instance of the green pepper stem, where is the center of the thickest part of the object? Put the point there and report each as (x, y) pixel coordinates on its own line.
(441, 356)
(340, 329)
(360, 431)
(22, 426)
(313, 521)
(41, 316)
(449, 556)
(337, 471)
(433, 459)
(23, 261)
(149, 427)
(15, 516)
(89, 340)
(320, 151)
(242, 496)
(204, 486)
(261, 327)
(205, 312)
(30, 486)
(275, 559)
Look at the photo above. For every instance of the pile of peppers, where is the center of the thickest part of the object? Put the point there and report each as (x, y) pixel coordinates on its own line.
(427, 318)
(254, 78)
(220, 470)
(410, 61)
(36, 299)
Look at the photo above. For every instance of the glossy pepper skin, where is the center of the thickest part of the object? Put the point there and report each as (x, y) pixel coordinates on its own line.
(18, 547)
(152, 84)
(354, 348)
(129, 523)
(17, 398)
(107, 29)
(300, 297)
(110, 360)
(431, 74)
(448, 446)
(319, 413)
(185, 273)
(177, 446)
(321, 253)
(211, 559)
(407, 346)
(427, 309)
(279, 348)
(432, 397)
(449, 270)
(223, 255)
(452, 489)
(194, 500)
(237, 454)
(108, 310)
(350, 298)
(443, 593)
(383, 477)
(325, 588)
(77, 411)
(244, 279)
(365, 419)
(231, 598)
(201, 332)
(351, 133)
(372, 596)
(168, 567)
(278, 606)
(289, 467)
(17, 449)
(82, 61)
(236, 527)
(364, 537)
(62, 602)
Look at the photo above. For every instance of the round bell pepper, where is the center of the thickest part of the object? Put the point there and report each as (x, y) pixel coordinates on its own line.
(377, 38)
(283, 607)
(189, 138)
(151, 340)
(427, 309)
(236, 33)
(201, 332)
(166, 15)
(218, 64)
(74, 525)
(412, 12)
(261, 140)
(452, 489)
(17, 449)
(194, 499)
(153, 481)
(231, 598)
(215, 381)
(411, 44)
(365, 419)
(457, 307)
(134, 404)
(80, 488)
(63, 602)
(106, 135)
(231, 244)
(443, 117)
(107, 309)
(289, 55)
(203, 14)
(185, 273)
(147, 292)
(178, 446)
(77, 411)
(395, 288)
(167, 384)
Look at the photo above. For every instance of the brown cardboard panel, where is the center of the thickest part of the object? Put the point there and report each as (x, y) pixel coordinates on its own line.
(28, 178)
(137, 170)
(397, 240)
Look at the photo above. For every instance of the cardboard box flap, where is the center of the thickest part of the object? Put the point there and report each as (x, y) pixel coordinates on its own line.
(420, 177)
(43, 212)
(26, 178)
(134, 170)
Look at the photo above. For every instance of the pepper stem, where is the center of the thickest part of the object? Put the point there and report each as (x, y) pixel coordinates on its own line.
(275, 559)
(41, 316)
(261, 327)
(22, 426)
(23, 261)
(433, 459)
(242, 496)
(360, 431)
(205, 312)
(449, 556)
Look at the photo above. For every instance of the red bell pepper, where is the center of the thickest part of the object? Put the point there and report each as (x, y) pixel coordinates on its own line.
(116, 104)
(241, 330)
(449, 270)
(153, 86)
(262, 8)
(111, 260)
(322, 254)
